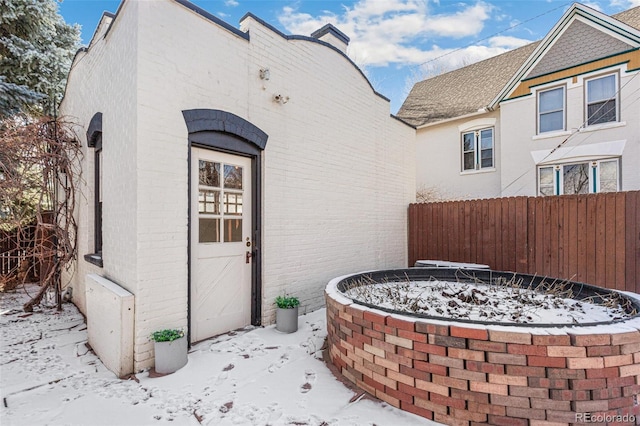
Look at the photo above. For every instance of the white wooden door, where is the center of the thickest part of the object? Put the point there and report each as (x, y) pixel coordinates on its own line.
(220, 243)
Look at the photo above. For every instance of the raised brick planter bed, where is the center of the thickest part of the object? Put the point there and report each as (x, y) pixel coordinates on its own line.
(462, 374)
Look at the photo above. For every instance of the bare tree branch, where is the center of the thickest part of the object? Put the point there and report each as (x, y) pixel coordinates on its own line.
(39, 171)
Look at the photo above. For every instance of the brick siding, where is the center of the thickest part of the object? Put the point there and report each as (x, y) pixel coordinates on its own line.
(462, 375)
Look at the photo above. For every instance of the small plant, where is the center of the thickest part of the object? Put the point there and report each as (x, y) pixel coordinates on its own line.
(167, 335)
(287, 302)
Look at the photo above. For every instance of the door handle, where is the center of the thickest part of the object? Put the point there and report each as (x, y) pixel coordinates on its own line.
(247, 257)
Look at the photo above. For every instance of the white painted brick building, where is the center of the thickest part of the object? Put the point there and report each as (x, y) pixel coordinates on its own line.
(188, 103)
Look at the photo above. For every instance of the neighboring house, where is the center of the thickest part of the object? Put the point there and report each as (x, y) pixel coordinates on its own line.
(558, 116)
(222, 168)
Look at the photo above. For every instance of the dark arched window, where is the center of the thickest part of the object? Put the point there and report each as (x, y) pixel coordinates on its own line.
(94, 140)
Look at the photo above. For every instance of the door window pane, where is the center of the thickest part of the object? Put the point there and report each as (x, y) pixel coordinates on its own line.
(232, 177)
(232, 203)
(209, 173)
(209, 202)
(209, 230)
(220, 210)
(576, 178)
(232, 230)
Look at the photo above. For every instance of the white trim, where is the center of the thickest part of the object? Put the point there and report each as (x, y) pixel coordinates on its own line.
(447, 120)
(585, 83)
(478, 124)
(603, 126)
(599, 180)
(549, 135)
(477, 149)
(569, 154)
(562, 87)
(475, 172)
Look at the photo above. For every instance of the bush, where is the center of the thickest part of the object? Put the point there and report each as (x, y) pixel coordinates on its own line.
(167, 335)
(287, 302)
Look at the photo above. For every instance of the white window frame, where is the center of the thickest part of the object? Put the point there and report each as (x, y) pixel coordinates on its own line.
(564, 109)
(616, 97)
(477, 150)
(594, 175)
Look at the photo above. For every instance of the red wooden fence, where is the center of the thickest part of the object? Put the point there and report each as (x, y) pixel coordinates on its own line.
(592, 238)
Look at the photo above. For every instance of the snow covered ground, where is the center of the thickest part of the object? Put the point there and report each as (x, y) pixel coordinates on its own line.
(253, 377)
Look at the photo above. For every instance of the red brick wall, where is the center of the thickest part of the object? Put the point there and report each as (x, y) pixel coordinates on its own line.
(458, 375)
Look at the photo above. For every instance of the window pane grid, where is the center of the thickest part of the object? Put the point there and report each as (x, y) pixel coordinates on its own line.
(220, 202)
(601, 100)
(233, 203)
(477, 150)
(551, 110)
(209, 202)
(579, 178)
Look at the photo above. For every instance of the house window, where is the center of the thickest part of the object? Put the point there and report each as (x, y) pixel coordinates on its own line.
(477, 150)
(98, 195)
(551, 110)
(602, 99)
(579, 178)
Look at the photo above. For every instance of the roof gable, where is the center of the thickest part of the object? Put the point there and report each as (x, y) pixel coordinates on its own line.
(578, 44)
(606, 31)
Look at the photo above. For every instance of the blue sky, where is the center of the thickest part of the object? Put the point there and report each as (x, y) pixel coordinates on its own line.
(395, 42)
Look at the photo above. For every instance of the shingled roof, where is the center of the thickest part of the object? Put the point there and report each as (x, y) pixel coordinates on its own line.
(471, 88)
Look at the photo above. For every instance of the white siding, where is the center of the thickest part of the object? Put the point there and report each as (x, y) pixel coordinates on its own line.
(104, 80)
(518, 141)
(439, 160)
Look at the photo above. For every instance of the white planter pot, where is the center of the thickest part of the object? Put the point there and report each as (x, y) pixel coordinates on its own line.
(287, 320)
(171, 356)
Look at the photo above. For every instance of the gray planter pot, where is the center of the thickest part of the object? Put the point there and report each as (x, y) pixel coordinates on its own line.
(287, 320)
(171, 356)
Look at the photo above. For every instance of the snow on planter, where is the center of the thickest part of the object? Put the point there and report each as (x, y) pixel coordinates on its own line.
(435, 342)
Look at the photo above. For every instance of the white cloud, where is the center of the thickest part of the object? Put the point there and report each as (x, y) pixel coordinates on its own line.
(594, 5)
(624, 4)
(231, 3)
(390, 31)
(508, 42)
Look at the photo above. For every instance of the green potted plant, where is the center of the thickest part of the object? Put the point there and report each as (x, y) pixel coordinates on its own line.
(287, 314)
(170, 347)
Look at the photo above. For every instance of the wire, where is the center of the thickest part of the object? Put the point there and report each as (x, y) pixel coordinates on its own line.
(473, 43)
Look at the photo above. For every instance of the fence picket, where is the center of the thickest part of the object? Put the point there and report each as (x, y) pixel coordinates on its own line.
(593, 238)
